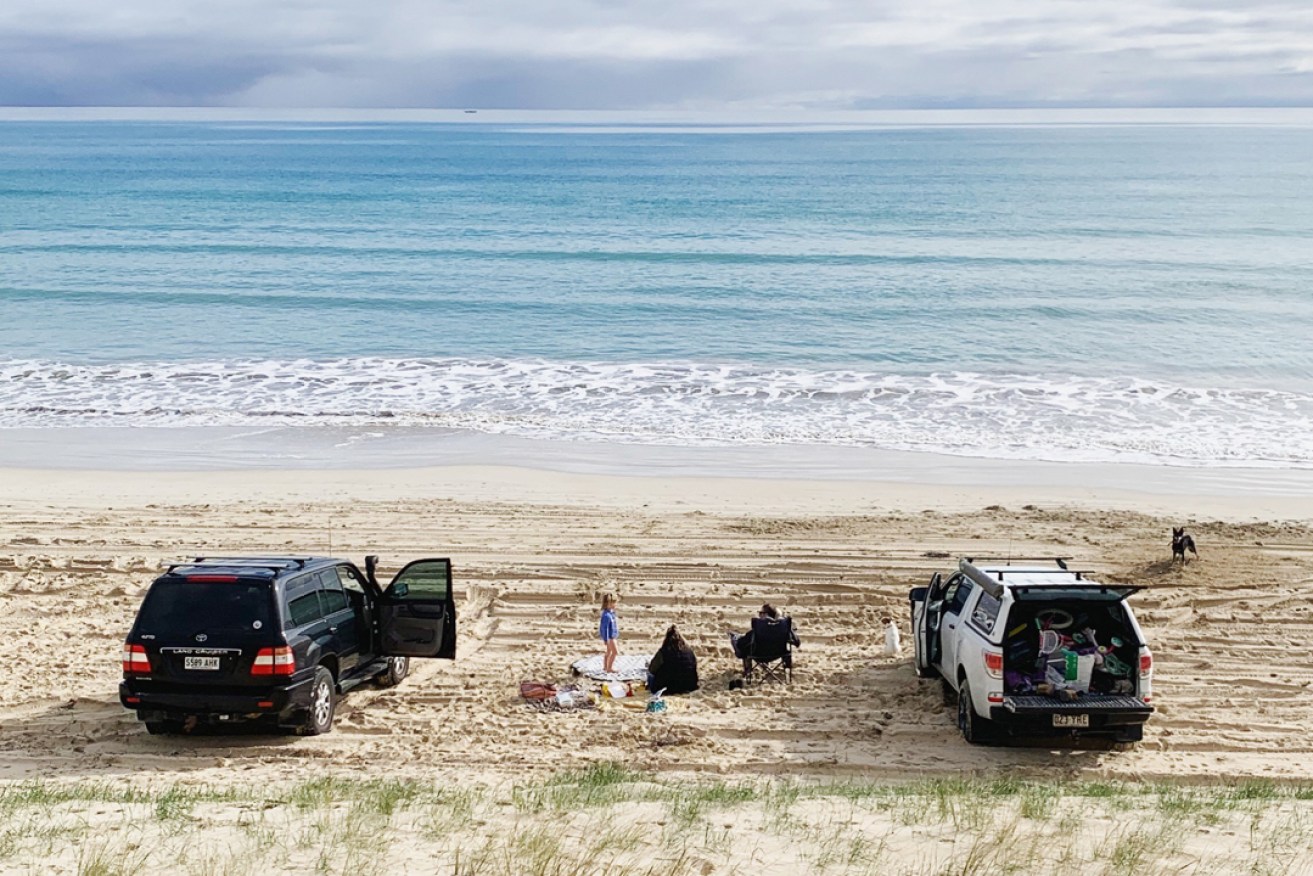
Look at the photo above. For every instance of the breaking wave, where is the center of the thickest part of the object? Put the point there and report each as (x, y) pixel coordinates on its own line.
(1060, 418)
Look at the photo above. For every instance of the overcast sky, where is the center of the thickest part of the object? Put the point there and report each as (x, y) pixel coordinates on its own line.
(656, 54)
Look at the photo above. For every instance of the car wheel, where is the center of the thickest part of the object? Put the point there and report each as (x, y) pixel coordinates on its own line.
(398, 668)
(323, 700)
(164, 728)
(975, 729)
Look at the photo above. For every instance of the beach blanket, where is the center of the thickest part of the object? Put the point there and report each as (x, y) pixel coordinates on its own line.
(627, 668)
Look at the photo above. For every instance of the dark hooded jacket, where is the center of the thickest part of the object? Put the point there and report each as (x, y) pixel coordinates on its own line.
(673, 670)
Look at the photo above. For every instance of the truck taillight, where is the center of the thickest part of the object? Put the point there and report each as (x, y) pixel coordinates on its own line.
(135, 660)
(994, 663)
(1146, 662)
(274, 661)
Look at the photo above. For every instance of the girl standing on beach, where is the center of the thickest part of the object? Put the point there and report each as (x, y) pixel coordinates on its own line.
(608, 630)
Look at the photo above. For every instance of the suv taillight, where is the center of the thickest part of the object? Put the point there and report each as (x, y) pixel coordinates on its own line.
(274, 661)
(135, 660)
(994, 663)
(1146, 662)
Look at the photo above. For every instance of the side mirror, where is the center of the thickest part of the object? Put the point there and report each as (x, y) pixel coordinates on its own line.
(918, 594)
(371, 563)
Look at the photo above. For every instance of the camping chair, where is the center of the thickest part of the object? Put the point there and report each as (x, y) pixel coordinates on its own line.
(770, 654)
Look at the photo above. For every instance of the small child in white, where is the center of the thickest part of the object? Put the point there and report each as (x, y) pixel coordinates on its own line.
(892, 647)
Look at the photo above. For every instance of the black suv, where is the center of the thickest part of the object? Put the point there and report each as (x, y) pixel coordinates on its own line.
(277, 639)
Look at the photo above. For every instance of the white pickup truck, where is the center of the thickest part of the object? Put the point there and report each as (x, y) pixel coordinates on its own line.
(1034, 650)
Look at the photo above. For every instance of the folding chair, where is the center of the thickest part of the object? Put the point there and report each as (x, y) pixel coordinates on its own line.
(770, 656)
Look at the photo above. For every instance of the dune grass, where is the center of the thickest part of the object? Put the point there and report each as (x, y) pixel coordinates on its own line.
(608, 817)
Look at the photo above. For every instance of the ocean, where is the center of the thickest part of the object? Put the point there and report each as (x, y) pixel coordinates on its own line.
(1104, 292)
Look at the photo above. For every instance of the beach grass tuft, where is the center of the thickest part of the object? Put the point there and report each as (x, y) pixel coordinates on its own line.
(613, 818)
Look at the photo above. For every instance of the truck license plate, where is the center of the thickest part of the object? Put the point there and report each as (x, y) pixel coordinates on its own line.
(200, 663)
(1071, 720)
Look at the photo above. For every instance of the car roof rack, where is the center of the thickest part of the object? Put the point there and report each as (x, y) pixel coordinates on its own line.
(273, 564)
(994, 586)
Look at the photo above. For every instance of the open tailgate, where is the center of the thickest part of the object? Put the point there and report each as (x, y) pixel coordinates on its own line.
(1036, 704)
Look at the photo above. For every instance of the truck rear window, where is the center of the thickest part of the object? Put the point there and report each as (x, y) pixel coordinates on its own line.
(176, 605)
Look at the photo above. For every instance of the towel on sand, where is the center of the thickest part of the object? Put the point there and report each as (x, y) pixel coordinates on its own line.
(627, 668)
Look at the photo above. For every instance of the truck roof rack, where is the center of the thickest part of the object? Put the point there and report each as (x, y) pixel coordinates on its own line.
(994, 586)
(1007, 561)
(273, 564)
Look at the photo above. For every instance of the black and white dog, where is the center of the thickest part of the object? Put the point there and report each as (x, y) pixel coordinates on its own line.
(1182, 542)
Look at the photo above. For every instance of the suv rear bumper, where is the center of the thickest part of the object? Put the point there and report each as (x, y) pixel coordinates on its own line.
(279, 702)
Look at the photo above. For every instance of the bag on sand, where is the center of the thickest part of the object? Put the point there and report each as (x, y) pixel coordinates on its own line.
(537, 690)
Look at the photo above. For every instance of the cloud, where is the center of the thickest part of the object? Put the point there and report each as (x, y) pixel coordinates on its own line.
(582, 54)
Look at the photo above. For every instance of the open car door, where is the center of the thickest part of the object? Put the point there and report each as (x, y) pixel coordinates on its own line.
(417, 612)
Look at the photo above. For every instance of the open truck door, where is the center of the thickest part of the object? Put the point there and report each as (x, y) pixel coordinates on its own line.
(417, 611)
(920, 644)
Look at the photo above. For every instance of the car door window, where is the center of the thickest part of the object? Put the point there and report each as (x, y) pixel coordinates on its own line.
(428, 580)
(334, 598)
(957, 598)
(304, 609)
(349, 579)
(950, 592)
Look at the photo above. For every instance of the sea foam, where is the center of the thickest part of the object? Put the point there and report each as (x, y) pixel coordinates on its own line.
(1007, 416)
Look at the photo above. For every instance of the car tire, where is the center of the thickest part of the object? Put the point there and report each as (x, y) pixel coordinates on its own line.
(323, 702)
(975, 729)
(164, 728)
(398, 668)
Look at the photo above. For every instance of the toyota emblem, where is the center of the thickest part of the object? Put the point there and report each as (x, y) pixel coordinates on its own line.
(201, 637)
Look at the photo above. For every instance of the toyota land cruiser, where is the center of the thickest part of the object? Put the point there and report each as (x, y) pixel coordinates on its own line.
(278, 639)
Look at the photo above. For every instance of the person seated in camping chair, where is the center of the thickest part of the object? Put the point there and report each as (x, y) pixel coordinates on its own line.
(674, 668)
(746, 645)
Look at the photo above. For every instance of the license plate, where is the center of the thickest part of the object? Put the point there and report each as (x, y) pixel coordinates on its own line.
(1071, 720)
(200, 663)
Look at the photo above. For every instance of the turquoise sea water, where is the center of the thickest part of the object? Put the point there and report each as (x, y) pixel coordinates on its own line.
(1073, 293)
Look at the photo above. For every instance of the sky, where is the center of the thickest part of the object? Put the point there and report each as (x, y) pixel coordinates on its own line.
(656, 54)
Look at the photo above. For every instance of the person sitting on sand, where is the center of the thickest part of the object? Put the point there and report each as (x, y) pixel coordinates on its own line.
(674, 669)
(743, 644)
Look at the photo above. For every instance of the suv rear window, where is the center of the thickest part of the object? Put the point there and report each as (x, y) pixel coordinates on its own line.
(181, 606)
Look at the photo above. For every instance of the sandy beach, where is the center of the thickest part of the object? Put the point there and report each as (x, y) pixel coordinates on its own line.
(532, 551)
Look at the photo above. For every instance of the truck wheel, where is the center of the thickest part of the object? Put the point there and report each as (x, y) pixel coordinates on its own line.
(1125, 740)
(398, 668)
(975, 729)
(323, 701)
